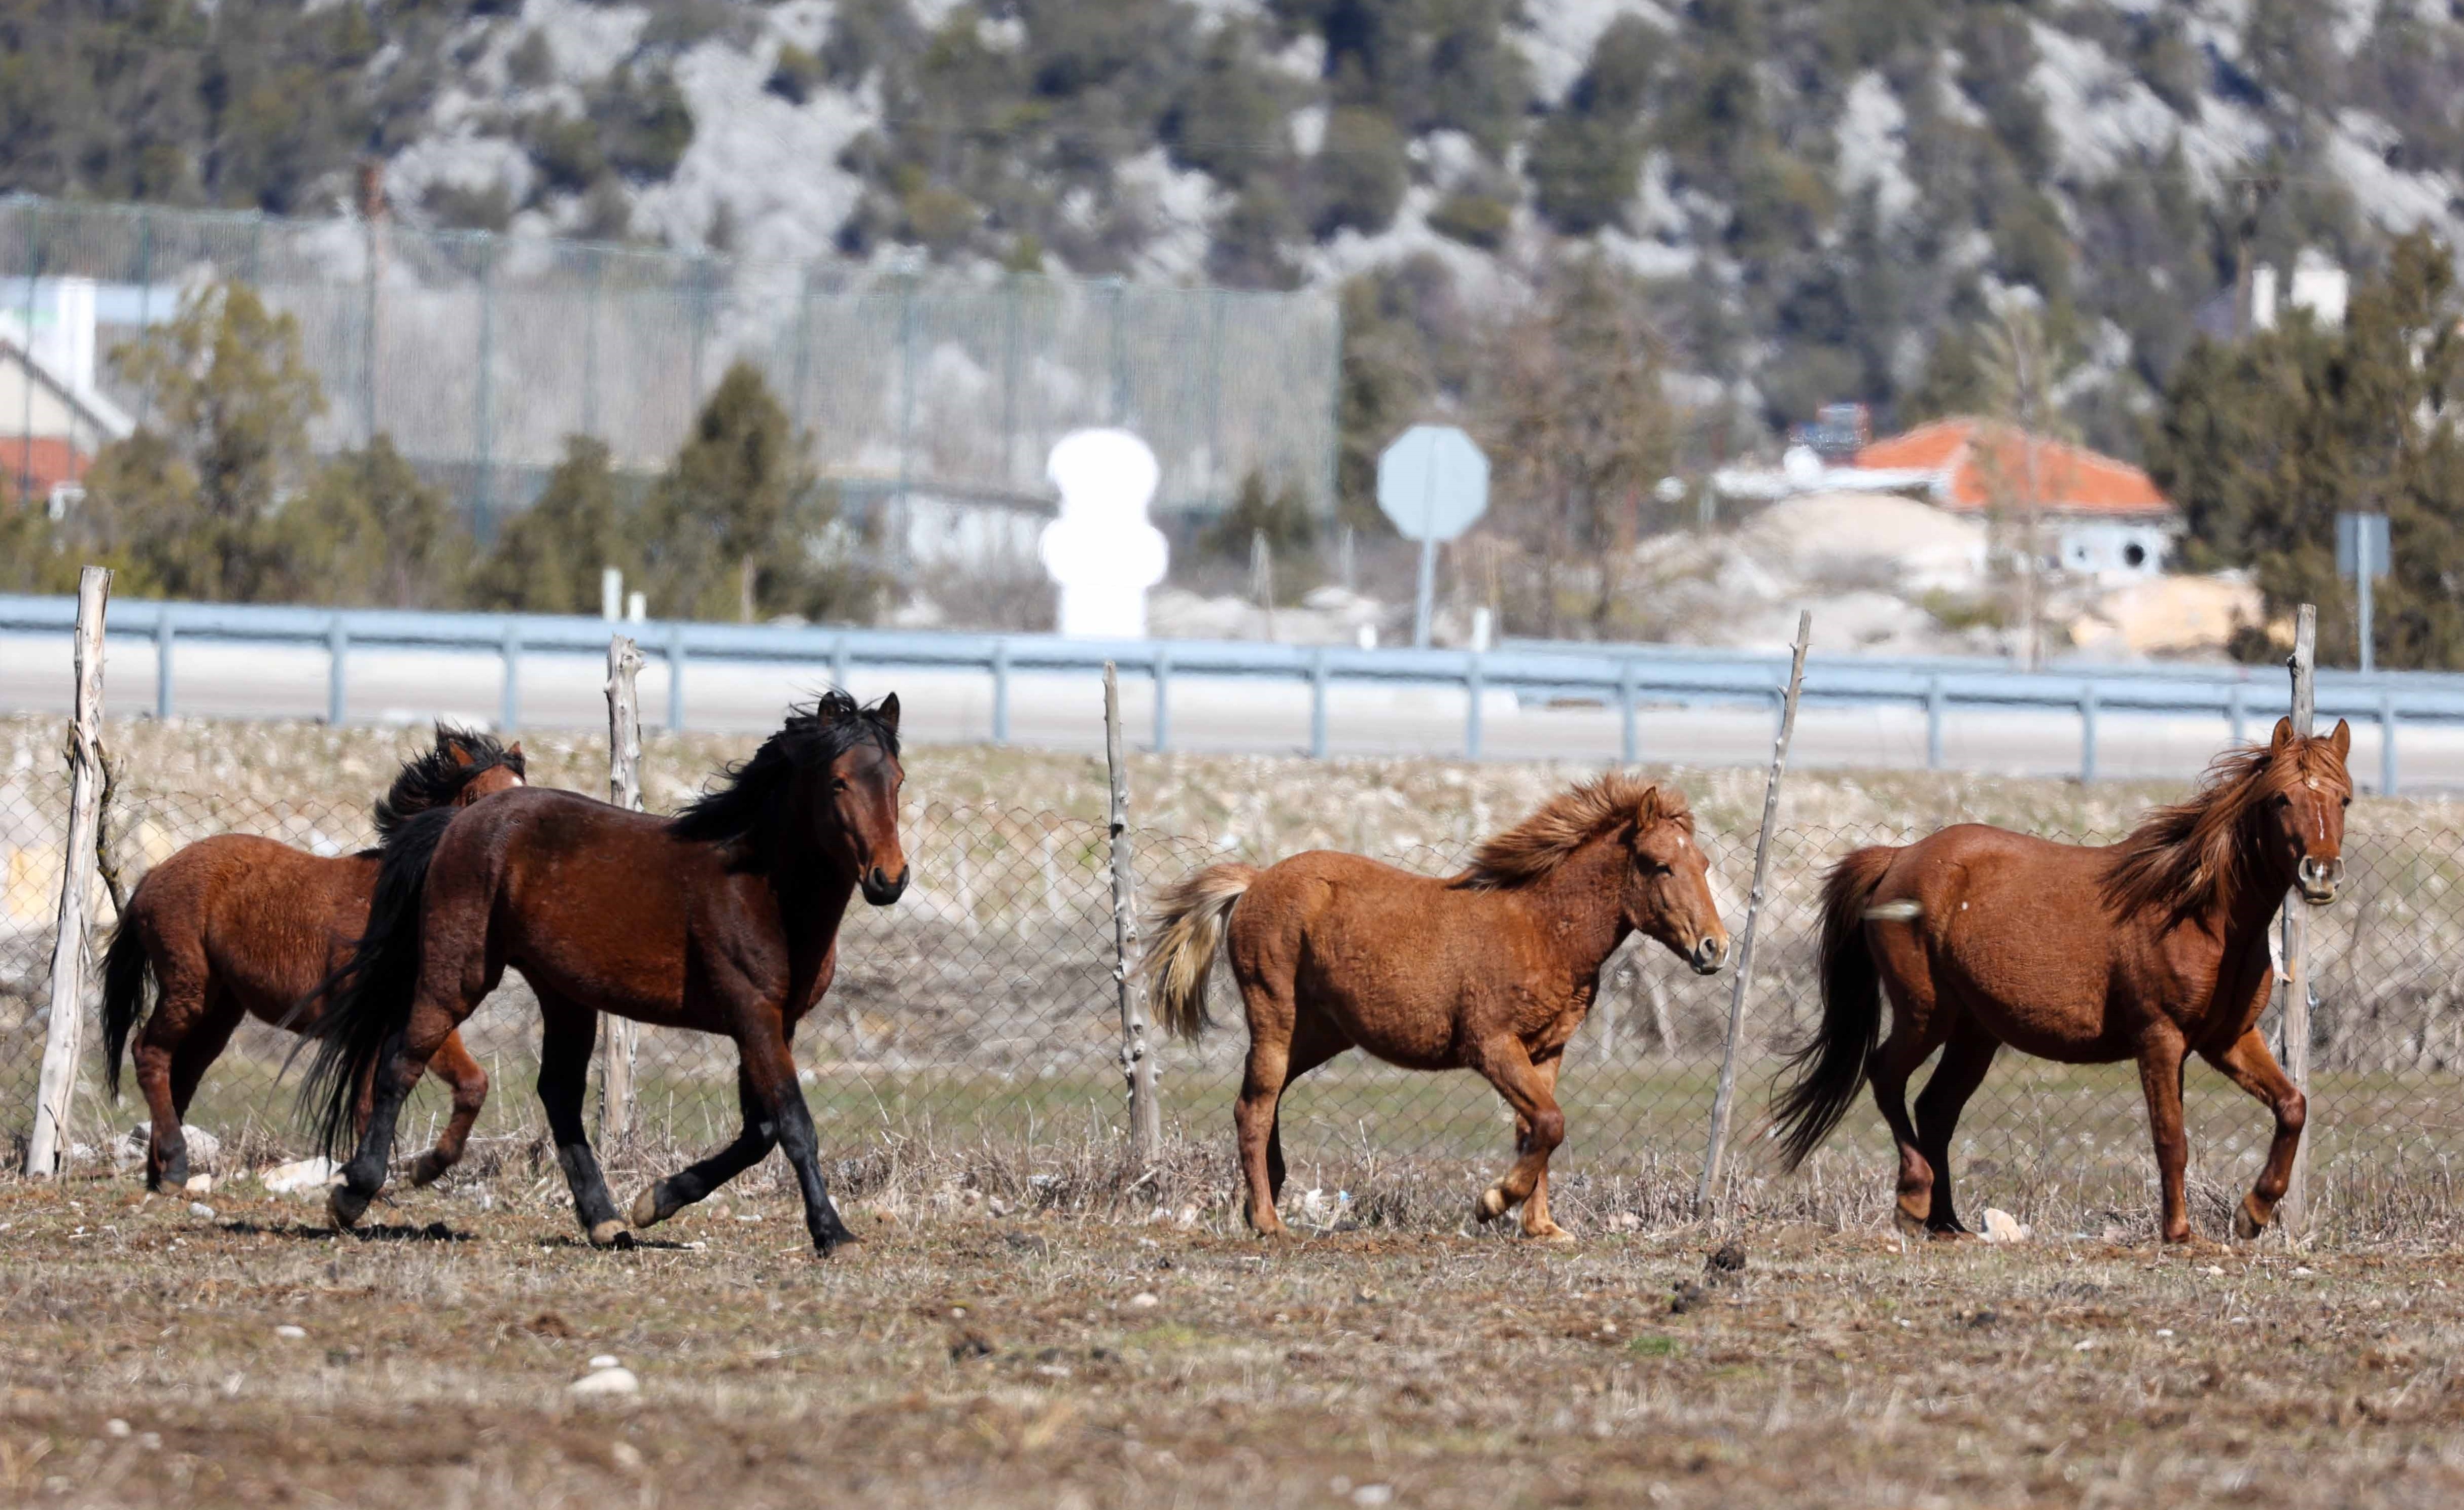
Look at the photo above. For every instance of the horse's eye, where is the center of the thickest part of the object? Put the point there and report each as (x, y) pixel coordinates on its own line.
(2348, 801)
(838, 783)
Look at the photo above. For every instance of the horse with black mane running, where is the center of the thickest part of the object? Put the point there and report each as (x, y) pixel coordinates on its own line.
(723, 919)
(2153, 949)
(237, 925)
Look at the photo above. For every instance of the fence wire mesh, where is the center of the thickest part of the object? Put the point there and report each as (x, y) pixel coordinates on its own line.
(982, 1009)
(478, 354)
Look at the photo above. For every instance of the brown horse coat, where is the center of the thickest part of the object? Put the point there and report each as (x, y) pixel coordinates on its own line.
(2153, 949)
(1491, 970)
(238, 926)
(722, 919)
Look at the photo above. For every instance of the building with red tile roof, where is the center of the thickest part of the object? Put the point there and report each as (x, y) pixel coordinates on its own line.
(1975, 464)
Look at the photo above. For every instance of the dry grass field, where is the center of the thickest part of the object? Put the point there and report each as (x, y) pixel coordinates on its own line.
(1049, 1346)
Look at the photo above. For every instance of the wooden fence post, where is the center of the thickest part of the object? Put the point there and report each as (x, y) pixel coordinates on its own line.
(2295, 1209)
(1146, 1118)
(1709, 1199)
(63, 1038)
(624, 790)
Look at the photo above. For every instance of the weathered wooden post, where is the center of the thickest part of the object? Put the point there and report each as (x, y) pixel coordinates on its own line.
(624, 790)
(1708, 1198)
(2293, 1211)
(1146, 1118)
(63, 1038)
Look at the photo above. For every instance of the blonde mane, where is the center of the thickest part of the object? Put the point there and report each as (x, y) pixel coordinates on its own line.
(1540, 844)
(2193, 855)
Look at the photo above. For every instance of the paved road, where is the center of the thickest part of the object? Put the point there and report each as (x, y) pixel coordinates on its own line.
(1207, 713)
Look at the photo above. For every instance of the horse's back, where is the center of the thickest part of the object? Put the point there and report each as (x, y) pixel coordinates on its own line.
(265, 919)
(2008, 925)
(1389, 955)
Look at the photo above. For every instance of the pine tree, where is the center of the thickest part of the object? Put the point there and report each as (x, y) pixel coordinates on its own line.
(548, 558)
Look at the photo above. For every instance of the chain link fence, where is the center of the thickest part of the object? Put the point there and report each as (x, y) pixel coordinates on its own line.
(478, 353)
(981, 1010)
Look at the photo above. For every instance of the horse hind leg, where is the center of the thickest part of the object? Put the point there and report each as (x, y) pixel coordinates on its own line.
(462, 1074)
(177, 1039)
(568, 1032)
(666, 1197)
(2247, 1062)
(1965, 1060)
(1888, 1069)
(1314, 1040)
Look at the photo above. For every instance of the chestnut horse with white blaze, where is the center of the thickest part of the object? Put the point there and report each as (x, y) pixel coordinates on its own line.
(2153, 949)
(237, 925)
(1491, 970)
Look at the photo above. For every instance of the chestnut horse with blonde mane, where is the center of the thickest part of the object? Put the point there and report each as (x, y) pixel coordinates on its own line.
(1491, 970)
(237, 925)
(2153, 949)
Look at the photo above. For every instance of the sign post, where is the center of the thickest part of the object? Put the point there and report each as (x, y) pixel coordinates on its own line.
(1433, 482)
(2362, 555)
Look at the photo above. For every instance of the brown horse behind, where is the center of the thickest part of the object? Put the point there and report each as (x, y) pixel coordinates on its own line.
(1491, 970)
(236, 925)
(2152, 949)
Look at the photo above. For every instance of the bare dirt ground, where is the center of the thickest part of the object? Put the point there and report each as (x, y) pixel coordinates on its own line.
(973, 1352)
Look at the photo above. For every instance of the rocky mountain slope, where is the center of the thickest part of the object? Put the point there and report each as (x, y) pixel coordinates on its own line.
(1822, 196)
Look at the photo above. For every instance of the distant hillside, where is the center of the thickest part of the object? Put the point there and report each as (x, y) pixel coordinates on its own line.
(1823, 195)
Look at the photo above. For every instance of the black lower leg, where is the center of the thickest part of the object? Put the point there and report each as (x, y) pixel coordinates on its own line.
(803, 1146)
(563, 1079)
(365, 1173)
(668, 1197)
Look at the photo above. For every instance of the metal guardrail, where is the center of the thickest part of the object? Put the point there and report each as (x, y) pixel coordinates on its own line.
(1620, 676)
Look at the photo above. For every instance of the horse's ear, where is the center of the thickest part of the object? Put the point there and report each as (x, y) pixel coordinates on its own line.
(888, 713)
(457, 750)
(513, 757)
(2283, 736)
(2341, 740)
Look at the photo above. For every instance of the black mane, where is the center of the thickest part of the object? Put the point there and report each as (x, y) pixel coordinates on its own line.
(749, 802)
(435, 779)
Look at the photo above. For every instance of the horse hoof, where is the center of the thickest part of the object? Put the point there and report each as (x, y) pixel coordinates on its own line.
(1552, 1233)
(2247, 1224)
(429, 1167)
(829, 1243)
(1912, 1226)
(1491, 1204)
(650, 1208)
(610, 1234)
(347, 1206)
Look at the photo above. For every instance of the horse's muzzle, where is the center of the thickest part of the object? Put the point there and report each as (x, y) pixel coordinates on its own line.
(2319, 879)
(1710, 953)
(881, 888)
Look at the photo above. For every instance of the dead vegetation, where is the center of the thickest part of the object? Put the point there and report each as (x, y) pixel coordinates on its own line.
(1035, 1333)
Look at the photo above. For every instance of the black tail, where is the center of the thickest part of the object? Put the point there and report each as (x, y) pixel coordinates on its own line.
(126, 969)
(1829, 1068)
(370, 997)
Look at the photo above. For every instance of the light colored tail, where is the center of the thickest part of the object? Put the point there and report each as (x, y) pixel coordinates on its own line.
(1186, 929)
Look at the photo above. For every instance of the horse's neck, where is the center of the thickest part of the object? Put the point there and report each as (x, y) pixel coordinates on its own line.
(1577, 904)
(813, 897)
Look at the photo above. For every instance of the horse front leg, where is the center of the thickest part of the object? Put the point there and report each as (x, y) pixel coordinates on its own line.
(1536, 1222)
(771, 1069)
(1540, 1127)
(666, 1197)
(2160, 1078)
(2247, 1062)
(569, 1032)
(445, 997)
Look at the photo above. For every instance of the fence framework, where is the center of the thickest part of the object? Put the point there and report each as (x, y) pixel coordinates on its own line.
(479, 353)
(988, 1007)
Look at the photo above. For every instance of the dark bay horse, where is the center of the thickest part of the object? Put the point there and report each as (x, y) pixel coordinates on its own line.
(237, 925)
(1491, 970)
(723, 919)
(2153, 949)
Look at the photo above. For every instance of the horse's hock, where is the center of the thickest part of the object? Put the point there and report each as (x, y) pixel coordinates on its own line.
(981, 1012)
